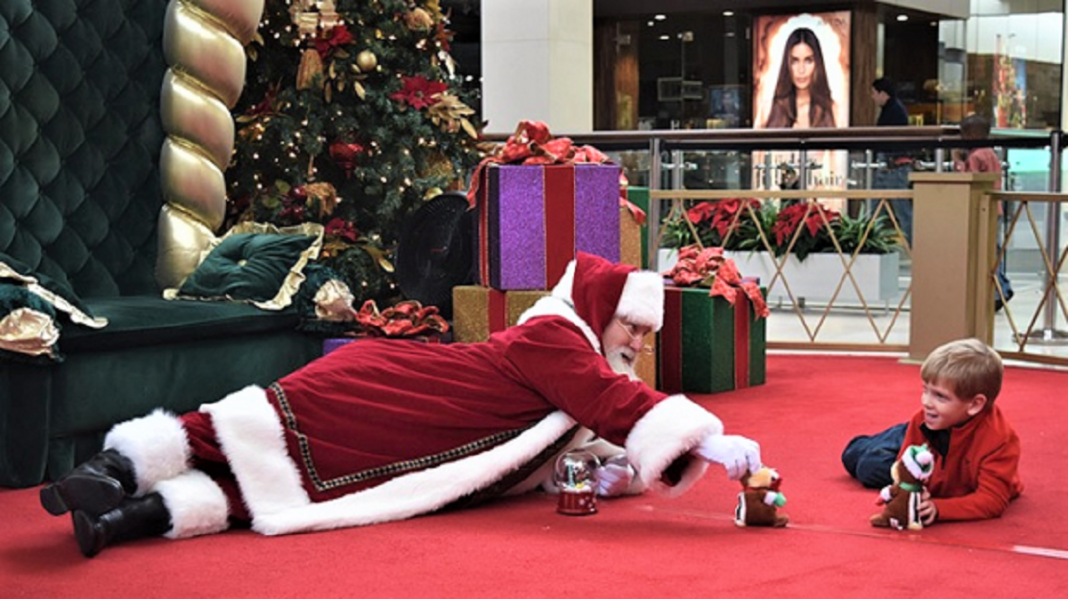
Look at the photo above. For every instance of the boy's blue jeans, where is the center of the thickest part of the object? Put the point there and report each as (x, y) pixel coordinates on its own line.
(868, 458)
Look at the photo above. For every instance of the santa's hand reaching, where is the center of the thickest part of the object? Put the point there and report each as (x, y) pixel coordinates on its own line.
(614, 478)
(737, 454)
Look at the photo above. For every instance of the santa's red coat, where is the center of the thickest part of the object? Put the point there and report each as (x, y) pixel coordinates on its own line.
(383, 429)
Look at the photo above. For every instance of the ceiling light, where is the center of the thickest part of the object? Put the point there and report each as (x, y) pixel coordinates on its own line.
(665, 37)
(728, 13)
(659, 17)
(902, 18)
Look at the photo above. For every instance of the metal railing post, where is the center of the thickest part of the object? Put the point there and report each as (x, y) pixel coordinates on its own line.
(1053, 235)
(869, 158)
(652, 230)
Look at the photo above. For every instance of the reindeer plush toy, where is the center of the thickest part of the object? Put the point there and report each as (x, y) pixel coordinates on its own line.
(901, 500)
(760, 500)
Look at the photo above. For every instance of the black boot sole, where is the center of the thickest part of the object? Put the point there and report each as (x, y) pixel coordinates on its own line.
(90, 540)
(92, 494)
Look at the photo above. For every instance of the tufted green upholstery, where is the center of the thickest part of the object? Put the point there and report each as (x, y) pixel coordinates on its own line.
(80, 138)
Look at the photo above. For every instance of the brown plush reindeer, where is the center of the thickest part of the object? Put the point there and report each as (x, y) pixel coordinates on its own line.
(901, 500)
(760, 500)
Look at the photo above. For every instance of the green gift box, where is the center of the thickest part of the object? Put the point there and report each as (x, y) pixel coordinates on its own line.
(707, 345)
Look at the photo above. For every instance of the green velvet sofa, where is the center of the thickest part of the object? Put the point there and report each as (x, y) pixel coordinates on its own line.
(80, 143)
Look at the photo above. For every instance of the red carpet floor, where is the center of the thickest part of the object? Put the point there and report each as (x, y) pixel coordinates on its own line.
(644, 546)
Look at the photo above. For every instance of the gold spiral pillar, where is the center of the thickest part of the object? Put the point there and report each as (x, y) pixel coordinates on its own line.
(204, 44)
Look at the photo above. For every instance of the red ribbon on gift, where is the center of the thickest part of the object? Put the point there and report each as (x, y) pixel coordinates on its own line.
(497, 310)
(532, 144)
(669, 345)
(708, 267)
(406, 319)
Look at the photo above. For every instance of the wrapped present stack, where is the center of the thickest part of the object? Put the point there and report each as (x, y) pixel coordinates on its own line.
(714, 336)
(541, 200)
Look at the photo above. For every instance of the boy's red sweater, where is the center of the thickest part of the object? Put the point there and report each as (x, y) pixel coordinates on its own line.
(979, 474)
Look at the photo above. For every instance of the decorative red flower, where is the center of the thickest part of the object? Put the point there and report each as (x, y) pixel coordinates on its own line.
(721, 214)
(335, 37)
(791, 217)
(419, 92)
(342, 229)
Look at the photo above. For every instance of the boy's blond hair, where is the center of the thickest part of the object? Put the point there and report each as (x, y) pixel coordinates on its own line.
(967, 366)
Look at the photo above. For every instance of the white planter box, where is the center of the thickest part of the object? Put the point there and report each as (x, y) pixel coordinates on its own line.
(817, 277)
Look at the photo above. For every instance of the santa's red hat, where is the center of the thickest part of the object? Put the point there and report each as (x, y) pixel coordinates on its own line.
(600, 290)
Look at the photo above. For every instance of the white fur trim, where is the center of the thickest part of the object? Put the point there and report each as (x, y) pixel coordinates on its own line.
(555, 306)
(251, 436)
(642, 300)
(563, 288)
(665, 433)
(196, 503)
(156, 444)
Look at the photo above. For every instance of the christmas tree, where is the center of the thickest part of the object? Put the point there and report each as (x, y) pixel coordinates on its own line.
(352, 117)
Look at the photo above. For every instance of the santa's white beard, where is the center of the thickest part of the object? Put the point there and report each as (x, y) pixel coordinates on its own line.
(622, 361)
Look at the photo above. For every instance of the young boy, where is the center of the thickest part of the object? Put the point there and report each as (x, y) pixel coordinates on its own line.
(977, 452)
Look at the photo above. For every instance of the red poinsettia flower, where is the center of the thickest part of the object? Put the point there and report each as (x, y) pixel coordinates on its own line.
(335, 37)
(721, 214)
(419, 92)
(701, 212)
(342, 229)
(791, 217)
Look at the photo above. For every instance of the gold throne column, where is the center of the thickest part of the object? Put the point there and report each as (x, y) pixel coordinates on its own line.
(204, 44)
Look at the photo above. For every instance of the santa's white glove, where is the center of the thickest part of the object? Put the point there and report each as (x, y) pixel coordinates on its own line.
(737, 454)
(614, 478)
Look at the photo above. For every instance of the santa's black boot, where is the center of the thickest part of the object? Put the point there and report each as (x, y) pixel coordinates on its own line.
(94, 487)
(136, 517)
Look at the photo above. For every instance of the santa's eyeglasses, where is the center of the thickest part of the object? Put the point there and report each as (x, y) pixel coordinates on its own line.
(635, 333)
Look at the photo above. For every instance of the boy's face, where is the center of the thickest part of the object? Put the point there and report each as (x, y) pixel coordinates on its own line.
(942, 409)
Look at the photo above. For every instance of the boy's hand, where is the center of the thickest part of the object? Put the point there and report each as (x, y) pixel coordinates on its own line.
(928, 511)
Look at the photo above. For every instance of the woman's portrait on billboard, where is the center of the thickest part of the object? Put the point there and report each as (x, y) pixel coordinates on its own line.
(802, 95)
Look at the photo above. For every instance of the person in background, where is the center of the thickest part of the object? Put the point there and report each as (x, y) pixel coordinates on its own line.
(977, 452)
(382, 430)
(984, 160)
(895, 173)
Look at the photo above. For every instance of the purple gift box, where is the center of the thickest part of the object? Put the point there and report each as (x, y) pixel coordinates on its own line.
(333, 343)
(533, 219)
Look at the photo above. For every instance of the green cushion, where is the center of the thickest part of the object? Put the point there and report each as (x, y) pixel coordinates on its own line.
(249, 267)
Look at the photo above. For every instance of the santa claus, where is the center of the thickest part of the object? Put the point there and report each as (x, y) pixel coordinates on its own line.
(383, 430)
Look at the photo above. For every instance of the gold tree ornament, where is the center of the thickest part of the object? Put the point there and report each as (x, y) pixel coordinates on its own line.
(418, 19)
(311, 68)
(450, 114)
(366, 61)
(322, 195)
